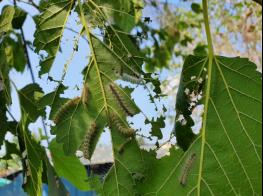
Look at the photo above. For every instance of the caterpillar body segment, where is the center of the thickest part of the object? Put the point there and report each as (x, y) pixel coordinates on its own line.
(134, 78)
(86, 146)
(122, 128)
(128, 110)
(59, 116)
(85, 94)
(187, 169)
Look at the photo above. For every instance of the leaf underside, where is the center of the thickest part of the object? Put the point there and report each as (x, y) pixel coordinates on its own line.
(229, 150)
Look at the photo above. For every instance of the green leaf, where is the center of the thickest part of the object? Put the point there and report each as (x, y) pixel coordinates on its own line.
(33, 169)
(3, 118)
(196, 8)
(186, 101)
(75, 119)
(69, 167)
(11, 149)
(122, 12)
(14, 53)
(53, 100)
(128, 168)
(50, 27)
(157, 126)
(29, 97)
(228, 149)
(19, 18)
(55, 185)
(6, 19)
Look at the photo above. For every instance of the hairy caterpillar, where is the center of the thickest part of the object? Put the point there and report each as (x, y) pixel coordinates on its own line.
(122, 146)
(85, 94)
(187, 168)
(125, 107)
(87, 143)
(134, 79)
(121, 127)
(64, 109)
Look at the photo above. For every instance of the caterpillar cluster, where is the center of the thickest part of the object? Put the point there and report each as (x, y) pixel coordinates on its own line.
(87, 143)
(64, 109)
(121, 127)
(121, 101)
(187, 168)
(85, 94)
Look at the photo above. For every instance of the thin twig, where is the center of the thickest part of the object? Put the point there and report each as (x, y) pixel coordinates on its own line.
(29, 3)
(11, 115)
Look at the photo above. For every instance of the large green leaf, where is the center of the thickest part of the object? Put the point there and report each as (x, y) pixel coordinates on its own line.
(226, 157)
(76, 120)
(69, 167)
(50, 27)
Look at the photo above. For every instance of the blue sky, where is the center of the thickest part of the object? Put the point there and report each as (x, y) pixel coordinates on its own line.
(73, 78)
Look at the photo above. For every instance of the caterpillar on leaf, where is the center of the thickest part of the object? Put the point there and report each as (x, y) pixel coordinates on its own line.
(121, 126)
(135, 78)
(121, 101)
(187, 169)
(85, 94)
(59, 116)
(87, 143)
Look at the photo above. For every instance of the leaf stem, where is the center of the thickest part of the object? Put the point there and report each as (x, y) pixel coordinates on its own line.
(207, 28)
(207, 92)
